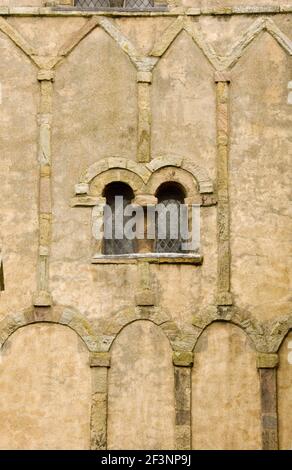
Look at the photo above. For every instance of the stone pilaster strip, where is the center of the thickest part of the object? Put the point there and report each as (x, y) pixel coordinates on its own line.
(182, 385)
(267, 364)
(97, 224)
(42, 298)
(145, 296)
(223, 222)
(144, 80)
(99, 363)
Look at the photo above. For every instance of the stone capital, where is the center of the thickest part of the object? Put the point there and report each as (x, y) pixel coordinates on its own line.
(267, 360)
(100, 359)
(183, 358)
(144, 77)
(222, 76)
(46, 75)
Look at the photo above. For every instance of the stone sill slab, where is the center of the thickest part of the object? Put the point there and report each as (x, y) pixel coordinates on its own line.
(153, 258)
(177, 11)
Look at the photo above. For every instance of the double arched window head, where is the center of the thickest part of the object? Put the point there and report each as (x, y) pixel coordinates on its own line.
(118, 196)
(168, 237)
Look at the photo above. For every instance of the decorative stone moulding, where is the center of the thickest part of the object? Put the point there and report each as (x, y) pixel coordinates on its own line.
(139, 174)
(152, 258)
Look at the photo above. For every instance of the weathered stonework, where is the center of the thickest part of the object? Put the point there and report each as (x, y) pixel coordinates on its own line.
(224, 294)
(163, 307)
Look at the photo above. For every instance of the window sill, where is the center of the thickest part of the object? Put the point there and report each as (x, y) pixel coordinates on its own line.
(61, 8)
(153, 258)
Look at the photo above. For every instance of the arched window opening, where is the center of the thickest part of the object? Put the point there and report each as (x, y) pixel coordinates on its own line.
(1, 274)
(118, 196)
(168, 220)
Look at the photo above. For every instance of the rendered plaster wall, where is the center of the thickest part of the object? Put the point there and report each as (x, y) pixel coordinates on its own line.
(140, 417)
(260, 176)
(95, 115)
(225, 392)
(18, 175)
(45, 390)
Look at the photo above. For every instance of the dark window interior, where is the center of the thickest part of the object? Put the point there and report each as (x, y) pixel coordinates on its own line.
(169, 194)
(126, 4)
(117, 246)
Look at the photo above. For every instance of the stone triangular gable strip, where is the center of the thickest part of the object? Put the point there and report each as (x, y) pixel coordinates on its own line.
(18, 40)
(240, 46)
(77, 36)
(182, 24)
(168, 37)
(260, 25)
(280, 37)
(126, 45)
(205, 47)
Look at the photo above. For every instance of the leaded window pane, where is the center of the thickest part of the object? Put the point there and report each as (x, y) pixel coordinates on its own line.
(169, 243)
(135, 4)
(116, 245)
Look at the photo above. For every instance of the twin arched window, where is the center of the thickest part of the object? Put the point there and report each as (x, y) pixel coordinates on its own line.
(168, 238)
(118, 4)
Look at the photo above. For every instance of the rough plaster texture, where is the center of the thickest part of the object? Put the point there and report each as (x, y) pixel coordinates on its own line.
(225, 412)
(47, 33)
(95, 114)
(141, 384)
(260, 176)
(18, 175)
(45, 390)
(176, 128)
(285, 394)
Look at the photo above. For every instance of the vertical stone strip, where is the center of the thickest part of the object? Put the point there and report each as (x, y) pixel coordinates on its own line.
(267, 365)
(183, 362)
(99, 363)
(145, 296)
(144, 80)
(97, 225)
(222, 80)
(46, 77)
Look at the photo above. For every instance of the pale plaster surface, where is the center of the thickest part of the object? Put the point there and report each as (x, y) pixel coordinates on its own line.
(225, 393)
(45, 390)
(95, 114)
(141, 385)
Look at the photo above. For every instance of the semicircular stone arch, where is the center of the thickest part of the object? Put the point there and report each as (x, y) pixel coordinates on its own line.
(99, 183)
(172, 174)
(204, 182)
(64, 316)
(105, 164)
(110, 330)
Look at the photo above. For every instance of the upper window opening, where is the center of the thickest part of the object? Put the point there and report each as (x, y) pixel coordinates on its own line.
(119, 4)
(1, 274)
(171, 195)
(118, 196)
